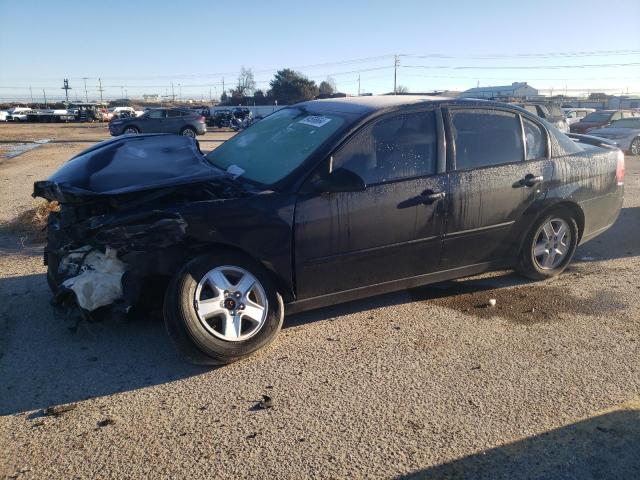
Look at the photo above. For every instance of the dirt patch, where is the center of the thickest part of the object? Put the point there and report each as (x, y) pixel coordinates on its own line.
(30, 225)
(526, 304)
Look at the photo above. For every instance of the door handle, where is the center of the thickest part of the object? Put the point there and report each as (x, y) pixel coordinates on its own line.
(429, 196)
(531, 180)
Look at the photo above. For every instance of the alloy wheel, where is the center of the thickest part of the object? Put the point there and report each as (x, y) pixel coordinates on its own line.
(552, 244)
(187, 132)
(635, 147)
(231, 304)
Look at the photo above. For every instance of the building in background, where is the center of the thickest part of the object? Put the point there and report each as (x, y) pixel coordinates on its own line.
(519, 90)
(154, 97)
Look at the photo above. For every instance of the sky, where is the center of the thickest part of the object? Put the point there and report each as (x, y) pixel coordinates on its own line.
(138, 47)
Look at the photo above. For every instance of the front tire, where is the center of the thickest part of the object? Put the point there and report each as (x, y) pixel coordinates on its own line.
(549, 245)
(222, 308)
(634, 149)
(131, 131)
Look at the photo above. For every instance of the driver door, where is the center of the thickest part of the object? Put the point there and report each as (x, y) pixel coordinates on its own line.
(155, 121)
(391, 230)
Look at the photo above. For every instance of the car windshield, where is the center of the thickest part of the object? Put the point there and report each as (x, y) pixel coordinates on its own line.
(626, 123)
(597, 117)
(274, 147)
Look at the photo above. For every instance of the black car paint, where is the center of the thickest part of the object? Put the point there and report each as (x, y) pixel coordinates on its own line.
(317, 251)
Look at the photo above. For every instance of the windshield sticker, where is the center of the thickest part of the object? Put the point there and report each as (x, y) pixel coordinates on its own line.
(315, 120)
(235, 170)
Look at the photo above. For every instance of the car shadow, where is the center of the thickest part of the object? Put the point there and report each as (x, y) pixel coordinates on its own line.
(620, 241)
(603, 447)
(47, 359)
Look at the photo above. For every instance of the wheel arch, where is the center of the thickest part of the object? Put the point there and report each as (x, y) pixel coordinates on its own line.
(282, 285)
(571, 207)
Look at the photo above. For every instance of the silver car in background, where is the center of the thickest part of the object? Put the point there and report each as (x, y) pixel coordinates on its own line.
(625, 133)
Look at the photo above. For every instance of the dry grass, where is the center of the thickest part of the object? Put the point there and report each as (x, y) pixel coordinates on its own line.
(30, 225)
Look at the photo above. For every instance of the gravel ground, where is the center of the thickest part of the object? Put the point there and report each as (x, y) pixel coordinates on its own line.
(423, 384)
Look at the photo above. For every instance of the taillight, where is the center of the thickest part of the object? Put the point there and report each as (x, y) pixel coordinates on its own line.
(620, 169)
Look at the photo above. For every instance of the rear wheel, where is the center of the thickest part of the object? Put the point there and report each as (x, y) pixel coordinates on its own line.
(221, 308)
(634, 149)
(549, 246)
(131, 131)
(188, 132)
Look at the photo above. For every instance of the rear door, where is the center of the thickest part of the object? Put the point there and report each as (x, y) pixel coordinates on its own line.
(390, 231)
(495, 178)
(174, 122)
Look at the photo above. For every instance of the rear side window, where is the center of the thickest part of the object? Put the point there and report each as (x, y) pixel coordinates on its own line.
(157, 113)
(486, 137)
(174, 113)
(393, 148)
(535, 140)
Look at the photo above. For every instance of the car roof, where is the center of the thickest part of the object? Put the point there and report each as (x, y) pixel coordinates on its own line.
(369, 103)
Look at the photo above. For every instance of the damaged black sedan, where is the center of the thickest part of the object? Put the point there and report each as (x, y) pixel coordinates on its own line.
(319, 203)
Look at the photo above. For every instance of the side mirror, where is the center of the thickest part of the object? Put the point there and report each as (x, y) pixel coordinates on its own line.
(340, 180)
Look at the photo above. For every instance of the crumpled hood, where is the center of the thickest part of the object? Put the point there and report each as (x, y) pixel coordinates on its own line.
(129, 164)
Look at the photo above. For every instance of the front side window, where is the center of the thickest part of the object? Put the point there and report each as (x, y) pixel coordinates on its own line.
(271, 149)
(535, 140)
(486, 137)
(393, 148)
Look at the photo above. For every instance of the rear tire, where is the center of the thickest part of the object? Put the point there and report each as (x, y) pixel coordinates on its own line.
(634, 149)
(188, 132)
(549, 245)
(205, 339)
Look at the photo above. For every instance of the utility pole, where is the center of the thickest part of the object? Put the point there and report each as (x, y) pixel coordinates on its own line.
(121, 92)
(358, 84)
(223, 85)
(396, 64)
(86, 95)
(100, 89)
(180, 92)
(66, 88)
(173, 94)
(45, 98)
(31, 93)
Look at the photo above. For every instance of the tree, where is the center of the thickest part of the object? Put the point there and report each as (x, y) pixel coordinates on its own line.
(289, 86)
(223, 97)
(259, 98)
(327, 87)
(246, 83)
(402, 89)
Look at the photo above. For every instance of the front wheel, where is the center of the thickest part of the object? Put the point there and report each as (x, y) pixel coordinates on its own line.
(131, 131)
(221, 308)
(549, 246)
(634, 149)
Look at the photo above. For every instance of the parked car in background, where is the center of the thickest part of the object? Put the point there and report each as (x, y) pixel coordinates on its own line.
(18, 114)
(221, 118)
(3, 115)
(550, 112)
(625, 133)
(161, 120)
(600, 118)
(574, 115)
(321, 202)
